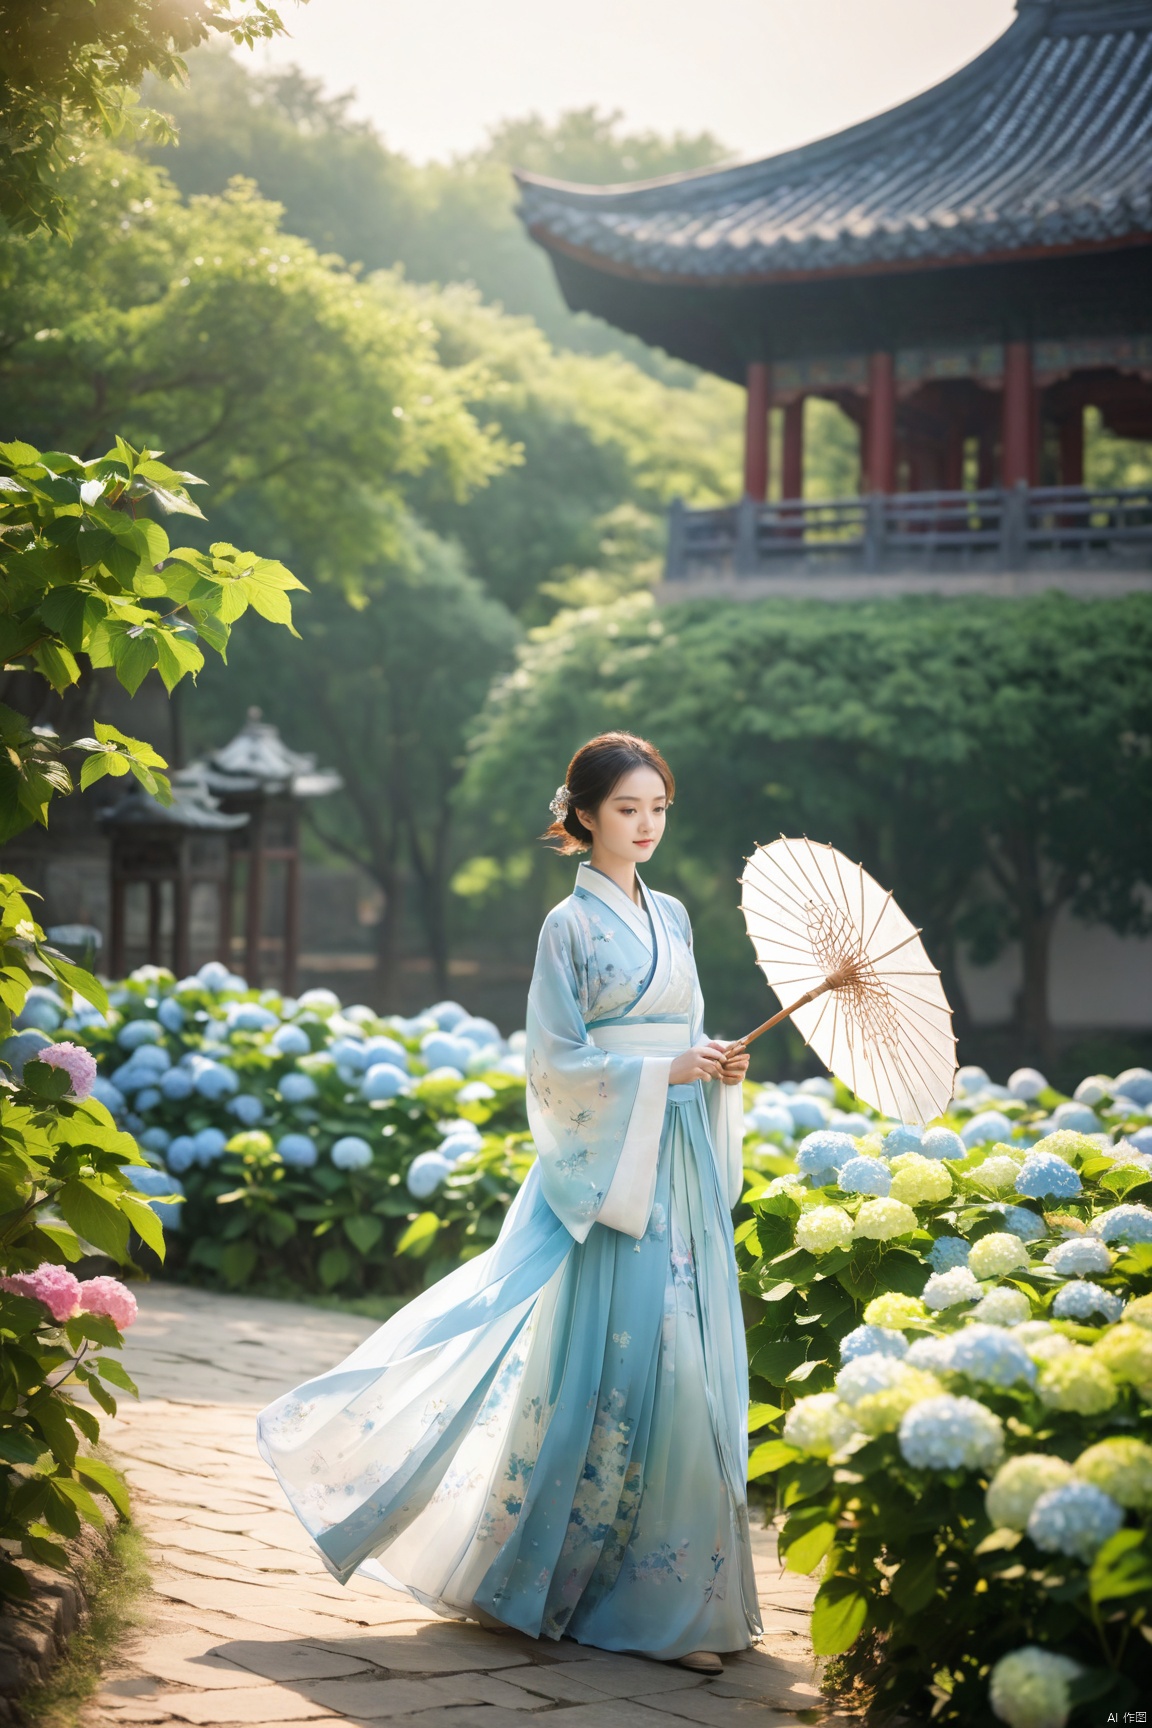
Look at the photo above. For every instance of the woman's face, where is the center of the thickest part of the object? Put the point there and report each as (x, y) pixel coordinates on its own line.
(629, 825)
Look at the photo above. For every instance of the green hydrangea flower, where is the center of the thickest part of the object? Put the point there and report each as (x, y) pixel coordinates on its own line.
(1076, 1380)
(995, 1175)
(881, 1220)
(895, 1309)
(1122, 1467)
(882, 1412)
(1067, 1144)
(1019, 1483)
(997, 1254)
(919, 1181)
(823, 1228)
(1126, 1351)
(1029, 1688)
(1139, 1312)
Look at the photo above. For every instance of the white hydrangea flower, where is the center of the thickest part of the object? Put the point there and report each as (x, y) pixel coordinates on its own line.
(819, 1424)
(1079, 1254)
(874, 1373)
(948, 1289)
(823, 1228)
(1029, 1688)
(1019, 1483)
(1122, 1467)
(1075, 1519)
(934, 1355)
(997, 1254)
(996, 1174)
(1003, 1306)
(1076, 1380)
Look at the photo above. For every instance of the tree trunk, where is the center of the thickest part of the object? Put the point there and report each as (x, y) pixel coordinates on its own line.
(1032, 1003)
(391, 884)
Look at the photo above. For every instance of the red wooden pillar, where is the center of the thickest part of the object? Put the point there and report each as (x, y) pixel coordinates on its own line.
(1072, 449)
(1018, 457)
(792, 456)
(881, 423)
(759, 386)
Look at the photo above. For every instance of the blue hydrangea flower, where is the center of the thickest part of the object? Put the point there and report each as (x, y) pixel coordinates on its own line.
(170, 1015)
(351, 1153)
(824, 1151)
(297, 1150)
(297, 1088)
(988, 1125)
(1020, 1221)
(385, 1049)
(1078, 1255)
(1136, 1083)
(383, 1080)
(181, 1154)
(138, 1032)
(155, 1139)
(865, 1175)
(942, 1143)
(215, 1082)
(290, 1041)
(805, 1113)
(1124, 1224)
(247, 1108)
(250, 1017)
(902, 1139)
(155, 1182)
(990, 1354)
(934, 1355)
(948, 1433)
(209, 1144)
(1076, 1519)
(1043, 1176)
(176, 1085)
(425, 1174)
(1077, 1117)
(148, 1097)
(946, 1252)
(152, 1059)
(1081, 1298)
(872, 1341)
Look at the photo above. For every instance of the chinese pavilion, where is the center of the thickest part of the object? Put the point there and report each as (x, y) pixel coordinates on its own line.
(963, 275)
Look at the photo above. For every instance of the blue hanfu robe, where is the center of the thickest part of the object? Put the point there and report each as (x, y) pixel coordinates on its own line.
(555, 1434)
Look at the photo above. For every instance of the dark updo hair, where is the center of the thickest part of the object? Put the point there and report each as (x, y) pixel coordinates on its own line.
(593, 772)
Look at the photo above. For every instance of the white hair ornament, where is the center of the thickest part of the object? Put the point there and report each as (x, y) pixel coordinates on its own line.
(560, 803)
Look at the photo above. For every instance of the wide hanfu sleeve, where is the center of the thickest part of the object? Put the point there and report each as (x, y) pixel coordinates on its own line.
(596, 1115)
(725, 1107)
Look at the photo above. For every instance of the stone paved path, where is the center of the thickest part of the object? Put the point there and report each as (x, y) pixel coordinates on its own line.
(243, 1624)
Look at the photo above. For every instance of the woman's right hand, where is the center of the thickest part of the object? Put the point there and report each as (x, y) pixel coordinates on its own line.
(705, 1062)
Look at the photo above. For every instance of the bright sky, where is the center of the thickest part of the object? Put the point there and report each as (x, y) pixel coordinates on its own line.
(761, 74)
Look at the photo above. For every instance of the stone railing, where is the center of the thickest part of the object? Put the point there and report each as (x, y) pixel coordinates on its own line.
(1024, 529)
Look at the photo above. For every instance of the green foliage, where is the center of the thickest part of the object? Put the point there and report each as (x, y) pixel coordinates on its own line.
(82, 572)
(989, 763)
(921, 1590)
(347, 192)
(207, 332)
(69, 71)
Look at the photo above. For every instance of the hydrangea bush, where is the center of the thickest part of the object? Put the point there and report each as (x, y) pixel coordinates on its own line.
(309, 1146)
(951, 1353)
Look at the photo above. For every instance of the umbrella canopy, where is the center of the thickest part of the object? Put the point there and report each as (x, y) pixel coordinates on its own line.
(860, 989)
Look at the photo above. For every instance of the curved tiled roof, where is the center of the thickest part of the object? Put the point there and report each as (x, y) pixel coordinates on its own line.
(1043, 142)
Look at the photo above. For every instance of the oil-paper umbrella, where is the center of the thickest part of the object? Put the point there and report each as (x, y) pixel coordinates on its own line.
(860, 989)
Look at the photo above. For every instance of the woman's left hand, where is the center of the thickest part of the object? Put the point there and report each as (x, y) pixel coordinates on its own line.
(735, 1066)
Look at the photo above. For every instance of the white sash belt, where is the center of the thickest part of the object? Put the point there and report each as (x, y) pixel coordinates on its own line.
(656, 1038)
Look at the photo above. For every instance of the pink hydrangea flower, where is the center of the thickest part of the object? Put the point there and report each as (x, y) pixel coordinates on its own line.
(55, 1286)
(109, 1297)
(79, 1064)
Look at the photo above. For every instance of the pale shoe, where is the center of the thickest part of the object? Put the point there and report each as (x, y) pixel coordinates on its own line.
(701, 1662)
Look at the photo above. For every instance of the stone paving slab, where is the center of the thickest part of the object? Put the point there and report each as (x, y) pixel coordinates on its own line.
(243, 1625)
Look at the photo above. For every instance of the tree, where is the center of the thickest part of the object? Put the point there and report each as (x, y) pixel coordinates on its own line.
(205, 331)
(989, 762)
(346, 191)
(69, 69)
(393, 682)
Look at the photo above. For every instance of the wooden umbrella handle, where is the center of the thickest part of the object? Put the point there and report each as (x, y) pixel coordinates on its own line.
(743, 1043)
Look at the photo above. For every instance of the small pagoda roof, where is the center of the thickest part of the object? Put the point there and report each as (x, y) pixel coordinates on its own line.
(258, 760)
(193, 806)
(1042, 143)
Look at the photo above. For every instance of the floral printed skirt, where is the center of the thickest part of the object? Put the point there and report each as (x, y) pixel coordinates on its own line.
(572, 1459)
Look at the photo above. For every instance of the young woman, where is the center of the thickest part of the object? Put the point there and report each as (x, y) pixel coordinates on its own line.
(553, 1437)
